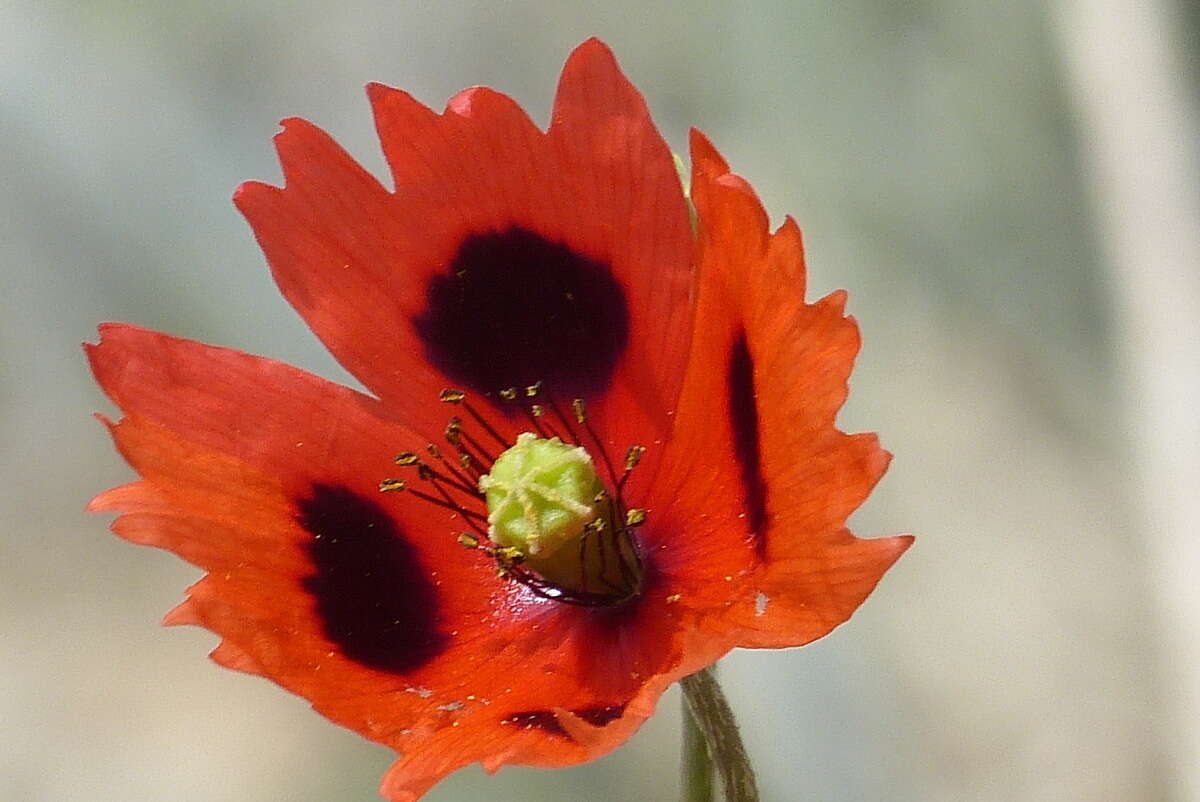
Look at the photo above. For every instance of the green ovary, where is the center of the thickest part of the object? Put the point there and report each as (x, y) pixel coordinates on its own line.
(541, 493)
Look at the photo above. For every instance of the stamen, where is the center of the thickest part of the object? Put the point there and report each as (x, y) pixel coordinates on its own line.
(599, 531)
(480, 450)
(534, 418)
(624, 542)
(398, 485)
(632, 457)
(571, 437)
(581, 416)
(539, 411)
(455, 435)
(430, 474)
(589, 530)
(487, 427)
(468, 465)
(537, 425)
(629, 573)
(470, 516)
(454, 396)
(455, 480)
(609, 568)
(583, 561)
(427, 472)
(468, 462)
(459, 480)
(621, 540)
(509, 555)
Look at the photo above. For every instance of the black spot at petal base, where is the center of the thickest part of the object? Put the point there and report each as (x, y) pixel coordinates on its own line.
(375, 600)
(514, 308)
(743, 413)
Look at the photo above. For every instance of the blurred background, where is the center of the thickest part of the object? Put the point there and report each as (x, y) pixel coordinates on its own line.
(1008, 190)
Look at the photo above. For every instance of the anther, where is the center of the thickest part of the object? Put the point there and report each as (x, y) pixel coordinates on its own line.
(467, 540)
(407, 458)
(392, 485)
(456, 477)
(532, 413)
(632, 457)
(580, 410)
(508, 555)
(509, 393)
(635, 517)
(452, 396)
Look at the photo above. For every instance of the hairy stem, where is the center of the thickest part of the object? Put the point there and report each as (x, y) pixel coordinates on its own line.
(716, 734)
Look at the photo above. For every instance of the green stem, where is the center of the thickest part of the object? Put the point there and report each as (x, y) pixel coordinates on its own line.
(715, 743)
(697, 767)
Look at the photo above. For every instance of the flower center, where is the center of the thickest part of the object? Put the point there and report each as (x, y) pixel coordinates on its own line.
(551, 522)
(541, 495)
(545, 500)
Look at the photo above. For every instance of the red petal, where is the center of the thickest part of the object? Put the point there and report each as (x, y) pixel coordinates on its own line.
(360, 263)
(774, 506)
(362, 602)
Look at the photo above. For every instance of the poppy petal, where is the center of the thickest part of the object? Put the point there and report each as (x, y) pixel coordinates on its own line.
(788, 478)
(505, 256)
(360, 601)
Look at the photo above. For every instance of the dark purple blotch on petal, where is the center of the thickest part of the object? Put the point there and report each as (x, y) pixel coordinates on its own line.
(546, 721)
(513, 308)
(743, 413)
(375, 599)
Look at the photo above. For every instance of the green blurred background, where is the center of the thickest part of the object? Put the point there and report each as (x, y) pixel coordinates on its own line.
(1009, 192)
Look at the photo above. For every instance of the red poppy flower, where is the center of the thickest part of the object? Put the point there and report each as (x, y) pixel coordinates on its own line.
(562, 264)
